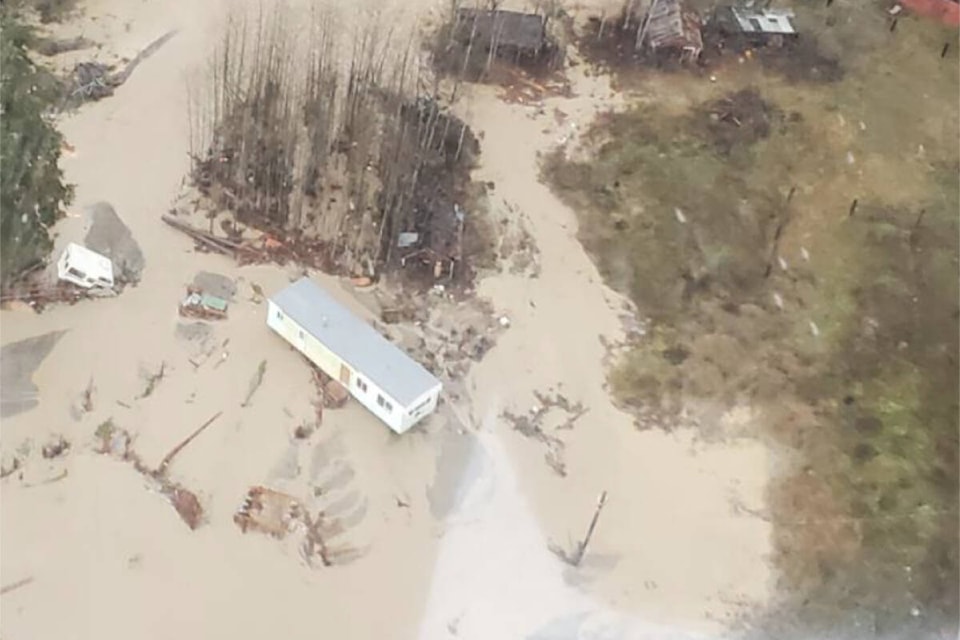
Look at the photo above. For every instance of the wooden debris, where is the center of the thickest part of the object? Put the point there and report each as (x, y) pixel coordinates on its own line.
(87, 403)
(167, 459)
(15, 585)
(267, 511)
(203, 306)
(335, 395)
(186, 504)
(57, 446)
(153, 380)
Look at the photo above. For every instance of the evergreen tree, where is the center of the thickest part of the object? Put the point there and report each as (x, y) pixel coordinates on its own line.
(32, 191)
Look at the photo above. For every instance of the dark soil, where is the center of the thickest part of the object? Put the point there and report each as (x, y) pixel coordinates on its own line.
(739, 119)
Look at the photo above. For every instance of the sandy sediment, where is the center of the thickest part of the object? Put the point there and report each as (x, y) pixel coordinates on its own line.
(445, 528)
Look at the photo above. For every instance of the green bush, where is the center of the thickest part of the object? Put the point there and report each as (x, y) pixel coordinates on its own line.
(32, 191)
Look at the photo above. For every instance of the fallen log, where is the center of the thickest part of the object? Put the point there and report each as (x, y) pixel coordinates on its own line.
(16, 585)
(148, 51)
(167, 459)
(218, 244)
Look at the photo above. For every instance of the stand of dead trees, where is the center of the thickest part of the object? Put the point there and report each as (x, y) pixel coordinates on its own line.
(298, 136)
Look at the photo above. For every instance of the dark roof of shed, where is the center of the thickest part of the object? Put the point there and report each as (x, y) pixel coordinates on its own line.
(355, 342)
(508, 28)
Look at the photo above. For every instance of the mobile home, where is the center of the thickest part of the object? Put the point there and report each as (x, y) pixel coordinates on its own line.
(382, 378)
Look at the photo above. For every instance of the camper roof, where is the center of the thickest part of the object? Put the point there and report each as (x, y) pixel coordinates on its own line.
(355, 341)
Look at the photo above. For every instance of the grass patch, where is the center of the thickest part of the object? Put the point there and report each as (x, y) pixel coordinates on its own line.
(842, 331)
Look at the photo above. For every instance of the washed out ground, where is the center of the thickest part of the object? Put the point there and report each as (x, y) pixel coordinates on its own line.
(794, 245)
(510, 467)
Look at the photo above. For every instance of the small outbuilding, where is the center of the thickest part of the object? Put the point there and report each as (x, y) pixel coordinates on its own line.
(508, 34)
(384, 379)
(755, 24)
(85, 268)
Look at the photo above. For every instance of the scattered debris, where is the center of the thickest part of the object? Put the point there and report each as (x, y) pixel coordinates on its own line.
(86, 403)
(117, 443)
(94, 80)
(187, 505)
(203, 306)
(56, 447)
(304, 430)
(153, 380)
(529, 427)
(9, 464)
(268, 511)
(255, 383)
(738, 119)
(315, 543)
(57, 478)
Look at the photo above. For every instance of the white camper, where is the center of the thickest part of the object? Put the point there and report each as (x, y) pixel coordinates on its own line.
(85, 268)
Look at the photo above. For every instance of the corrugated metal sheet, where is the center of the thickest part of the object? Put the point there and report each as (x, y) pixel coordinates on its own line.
(355, 342)
(772, 21)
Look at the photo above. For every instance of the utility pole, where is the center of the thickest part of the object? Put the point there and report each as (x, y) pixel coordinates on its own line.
(582, 547)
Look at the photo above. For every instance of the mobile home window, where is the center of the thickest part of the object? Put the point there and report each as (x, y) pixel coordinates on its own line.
(361, 384)
(279, 314)
(384, 403)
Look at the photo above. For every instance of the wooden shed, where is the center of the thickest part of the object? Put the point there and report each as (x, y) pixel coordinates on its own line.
(510, 34)
(381, 377)
(672, 29)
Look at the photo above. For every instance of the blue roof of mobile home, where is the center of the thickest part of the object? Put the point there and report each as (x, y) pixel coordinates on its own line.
(354, 341)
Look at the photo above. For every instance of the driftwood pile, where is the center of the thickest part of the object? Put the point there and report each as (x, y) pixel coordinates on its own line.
(268, 248)
(95, 80)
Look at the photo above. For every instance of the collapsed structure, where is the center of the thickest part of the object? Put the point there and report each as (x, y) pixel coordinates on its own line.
(672, 29)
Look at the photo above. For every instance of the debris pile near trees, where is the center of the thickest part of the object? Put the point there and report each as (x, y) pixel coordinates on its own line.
(333, 163)
(96, 80)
